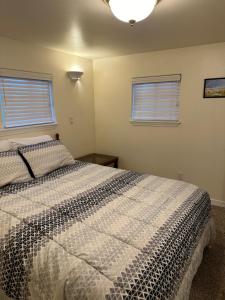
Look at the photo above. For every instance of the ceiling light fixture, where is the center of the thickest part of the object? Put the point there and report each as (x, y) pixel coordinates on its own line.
(131, 11)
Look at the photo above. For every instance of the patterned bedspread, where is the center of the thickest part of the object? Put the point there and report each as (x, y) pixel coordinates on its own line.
(92, 232)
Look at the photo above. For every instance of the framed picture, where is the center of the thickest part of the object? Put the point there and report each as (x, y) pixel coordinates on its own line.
(214, 88)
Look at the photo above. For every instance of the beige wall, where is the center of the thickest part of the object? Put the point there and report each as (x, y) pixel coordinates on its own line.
(71, 101)
(196, 148)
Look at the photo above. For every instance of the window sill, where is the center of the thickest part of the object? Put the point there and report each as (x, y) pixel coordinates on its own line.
(156, 123)
(4, 132)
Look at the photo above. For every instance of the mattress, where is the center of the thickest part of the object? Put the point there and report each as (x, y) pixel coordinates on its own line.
(92, 232)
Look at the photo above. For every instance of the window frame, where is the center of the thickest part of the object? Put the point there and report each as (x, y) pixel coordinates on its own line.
(146, 80)
(26, 75)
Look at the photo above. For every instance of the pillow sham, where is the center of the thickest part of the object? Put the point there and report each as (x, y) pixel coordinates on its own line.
(46, 157)
(16, 143)
(12, 168)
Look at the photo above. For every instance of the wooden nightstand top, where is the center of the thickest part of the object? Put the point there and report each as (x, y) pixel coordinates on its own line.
(100, 159)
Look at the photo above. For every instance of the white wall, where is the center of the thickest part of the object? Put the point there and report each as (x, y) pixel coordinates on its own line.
(71, 101)
(196, 148)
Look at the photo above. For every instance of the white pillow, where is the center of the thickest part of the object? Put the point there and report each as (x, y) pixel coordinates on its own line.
(5, 145)
(16, 143)
(12, 168)
(46, 157)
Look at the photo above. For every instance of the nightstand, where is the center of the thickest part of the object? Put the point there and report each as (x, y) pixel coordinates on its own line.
(100, 159)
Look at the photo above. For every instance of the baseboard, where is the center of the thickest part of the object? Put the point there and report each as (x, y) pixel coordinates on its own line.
(218, 203)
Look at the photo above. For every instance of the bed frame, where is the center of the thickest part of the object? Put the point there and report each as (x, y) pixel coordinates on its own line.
(57, 136)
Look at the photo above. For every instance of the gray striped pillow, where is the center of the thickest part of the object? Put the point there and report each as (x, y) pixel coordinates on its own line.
(12, 168)
(46, 157)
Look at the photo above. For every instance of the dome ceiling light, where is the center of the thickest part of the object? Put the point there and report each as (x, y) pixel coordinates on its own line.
(131, 11)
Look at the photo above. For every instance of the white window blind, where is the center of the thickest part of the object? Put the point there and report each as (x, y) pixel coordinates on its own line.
(26, 102)
(156, 99)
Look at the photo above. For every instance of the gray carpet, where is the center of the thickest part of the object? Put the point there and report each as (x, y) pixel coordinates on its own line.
(209, 282)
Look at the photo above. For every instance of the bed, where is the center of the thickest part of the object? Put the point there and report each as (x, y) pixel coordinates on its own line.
(85, 231)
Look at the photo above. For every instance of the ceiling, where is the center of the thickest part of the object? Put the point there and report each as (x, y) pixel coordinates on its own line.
(87, 27)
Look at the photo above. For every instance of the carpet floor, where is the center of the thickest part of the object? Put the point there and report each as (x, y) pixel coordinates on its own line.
(209, 282)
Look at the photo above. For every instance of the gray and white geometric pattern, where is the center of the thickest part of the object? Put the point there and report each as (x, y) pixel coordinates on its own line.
(46, 157)
(91, 232)
(12, 168)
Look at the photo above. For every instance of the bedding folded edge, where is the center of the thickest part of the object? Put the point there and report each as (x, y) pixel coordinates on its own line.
(186, 284)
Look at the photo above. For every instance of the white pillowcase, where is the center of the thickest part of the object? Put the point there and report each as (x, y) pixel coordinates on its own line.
(12, 168)
(46, 157)
(16, 143)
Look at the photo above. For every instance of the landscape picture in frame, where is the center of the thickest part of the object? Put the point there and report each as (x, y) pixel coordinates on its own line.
(214, 88)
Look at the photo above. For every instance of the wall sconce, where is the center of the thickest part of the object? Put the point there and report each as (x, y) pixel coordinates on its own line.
(74, 75)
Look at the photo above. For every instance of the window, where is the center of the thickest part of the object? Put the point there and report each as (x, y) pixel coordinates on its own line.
(26, 102)
(156, 99)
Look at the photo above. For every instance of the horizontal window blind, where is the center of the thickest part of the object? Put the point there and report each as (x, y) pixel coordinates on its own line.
(156, 98)
(26, 102)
